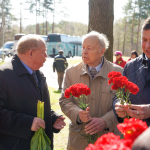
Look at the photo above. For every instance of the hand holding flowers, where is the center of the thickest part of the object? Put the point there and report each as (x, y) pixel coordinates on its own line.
(80, 92)
(84, 115)
(124, 88)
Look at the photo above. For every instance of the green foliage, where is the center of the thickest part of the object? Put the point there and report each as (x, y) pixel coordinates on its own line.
(136, 11)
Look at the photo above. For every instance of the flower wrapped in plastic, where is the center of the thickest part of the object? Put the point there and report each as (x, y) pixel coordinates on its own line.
(40, 141)
(80, 92)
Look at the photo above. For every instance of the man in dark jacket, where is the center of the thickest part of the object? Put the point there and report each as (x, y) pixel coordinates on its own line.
(19, 93)
(138, 72)
(60, 64)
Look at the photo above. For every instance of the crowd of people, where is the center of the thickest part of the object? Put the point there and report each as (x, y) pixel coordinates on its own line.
(22, 84)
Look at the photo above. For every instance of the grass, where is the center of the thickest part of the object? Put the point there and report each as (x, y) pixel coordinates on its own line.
(2, 63)
(61, 138)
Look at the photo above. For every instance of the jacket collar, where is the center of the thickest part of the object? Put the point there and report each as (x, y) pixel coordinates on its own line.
(103, 71)
(145, 61)
(18, 66)
(21, 70)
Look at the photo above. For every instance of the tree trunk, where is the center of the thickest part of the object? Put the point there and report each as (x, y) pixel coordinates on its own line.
(101, 17)
(124, 39)
(118, 43)
(137, 43)
(132, 30)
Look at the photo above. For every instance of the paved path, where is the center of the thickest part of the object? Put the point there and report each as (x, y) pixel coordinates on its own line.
(51, 77)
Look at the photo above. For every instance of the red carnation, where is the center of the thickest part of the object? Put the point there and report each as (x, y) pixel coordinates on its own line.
(110, 142)
(121, 84)
(132, 128)
(67, 93)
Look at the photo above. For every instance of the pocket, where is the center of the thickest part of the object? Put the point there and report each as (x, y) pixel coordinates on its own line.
(76, 128)
(107, 97)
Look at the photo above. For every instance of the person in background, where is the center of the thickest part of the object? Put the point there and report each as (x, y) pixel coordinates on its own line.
(93, 72)
(119, 60)
(134, 54)
(138, 72)
(60, 64)
(22, 84)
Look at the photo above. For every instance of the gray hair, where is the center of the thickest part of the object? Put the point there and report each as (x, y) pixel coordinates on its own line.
(102, 38)
(28, 42)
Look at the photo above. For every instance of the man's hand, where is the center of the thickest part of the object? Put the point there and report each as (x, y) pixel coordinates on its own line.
(59, 123)
(84, 115)
(121, 110)
(95, 125)
(139, 111)
(37, 123)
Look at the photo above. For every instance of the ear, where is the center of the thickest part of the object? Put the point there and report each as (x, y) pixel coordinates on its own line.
(102, 51)
(30, 53)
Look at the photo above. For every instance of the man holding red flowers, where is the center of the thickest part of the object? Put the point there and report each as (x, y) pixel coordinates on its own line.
(98, 118)
(138, 72)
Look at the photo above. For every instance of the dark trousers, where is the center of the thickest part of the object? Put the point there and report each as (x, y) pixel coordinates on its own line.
(60, 79)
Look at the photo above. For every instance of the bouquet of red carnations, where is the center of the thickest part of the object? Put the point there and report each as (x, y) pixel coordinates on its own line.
(131, 129)
(80, 93)
(123, 86)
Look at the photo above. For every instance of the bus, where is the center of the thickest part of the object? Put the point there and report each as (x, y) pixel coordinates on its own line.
(71, 45)
(16, 39)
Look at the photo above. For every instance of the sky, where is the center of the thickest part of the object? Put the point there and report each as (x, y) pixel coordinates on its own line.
(75, 11)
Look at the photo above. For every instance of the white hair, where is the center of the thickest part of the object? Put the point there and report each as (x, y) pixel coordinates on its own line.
(102, 38)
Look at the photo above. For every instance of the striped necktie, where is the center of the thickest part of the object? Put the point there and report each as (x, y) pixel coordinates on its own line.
(93, 72)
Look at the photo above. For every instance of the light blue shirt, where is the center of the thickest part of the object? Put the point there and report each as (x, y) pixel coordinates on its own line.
(98, 68)
(29, 70)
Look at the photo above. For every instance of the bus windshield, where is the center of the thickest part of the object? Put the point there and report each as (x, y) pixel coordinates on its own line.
(53, 38)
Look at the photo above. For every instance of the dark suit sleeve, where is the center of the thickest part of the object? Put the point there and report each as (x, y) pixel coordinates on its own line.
(12, 123)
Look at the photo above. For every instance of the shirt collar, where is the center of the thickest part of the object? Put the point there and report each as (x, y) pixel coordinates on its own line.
(28, 68)
(98, 68)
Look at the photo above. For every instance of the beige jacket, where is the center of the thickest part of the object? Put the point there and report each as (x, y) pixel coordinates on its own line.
(100, 100)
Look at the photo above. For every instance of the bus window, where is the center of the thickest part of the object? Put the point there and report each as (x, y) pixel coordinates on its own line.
(53, 38)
